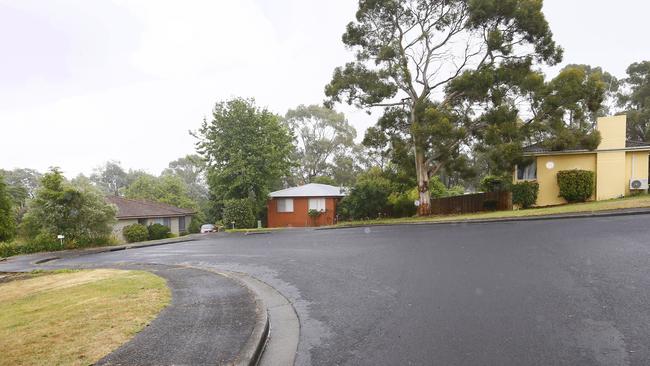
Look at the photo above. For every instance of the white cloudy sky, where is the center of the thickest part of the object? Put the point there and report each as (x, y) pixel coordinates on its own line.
(82, 82)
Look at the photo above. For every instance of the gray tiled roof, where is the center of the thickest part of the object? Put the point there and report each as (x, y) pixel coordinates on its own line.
(540, 148)
(140, 209)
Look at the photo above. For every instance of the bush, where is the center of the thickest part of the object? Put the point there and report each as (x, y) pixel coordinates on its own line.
(239, 211)
(401, 205)
(576, 185)
(195, 226)
(493, 183)
(135, 233)
(158, 231)
(525, 193)
(368, 199)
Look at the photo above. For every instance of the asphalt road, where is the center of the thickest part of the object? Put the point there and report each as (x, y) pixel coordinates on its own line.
(557, 292)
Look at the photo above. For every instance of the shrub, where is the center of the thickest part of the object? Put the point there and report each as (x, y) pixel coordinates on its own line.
(367, 199)
(239, 211)
(576, 185)
(195, 226)
(525, 193)
(401, 205)
(135, 233)
(493, 183)
(158, 231)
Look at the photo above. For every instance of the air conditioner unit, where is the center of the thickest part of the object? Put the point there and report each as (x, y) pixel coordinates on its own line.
(638, 184)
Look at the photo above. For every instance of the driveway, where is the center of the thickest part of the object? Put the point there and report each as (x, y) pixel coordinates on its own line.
(556, 292)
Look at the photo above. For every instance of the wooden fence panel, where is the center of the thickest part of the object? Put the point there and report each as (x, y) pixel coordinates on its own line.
(468, 203)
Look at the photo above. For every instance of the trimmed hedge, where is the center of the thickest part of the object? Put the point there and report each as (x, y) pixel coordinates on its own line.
(240, 211)
(525, 193)
(493, 183)
(135, 233)
(576, 185)
(158, 231)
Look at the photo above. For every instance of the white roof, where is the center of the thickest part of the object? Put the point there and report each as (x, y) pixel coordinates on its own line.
(309, 190)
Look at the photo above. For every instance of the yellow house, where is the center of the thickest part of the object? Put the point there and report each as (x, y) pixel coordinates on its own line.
(617, 162)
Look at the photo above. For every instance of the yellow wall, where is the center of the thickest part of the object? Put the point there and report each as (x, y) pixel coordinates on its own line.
(610, 182)
(640, 167)
(612, 132)
(549, 191)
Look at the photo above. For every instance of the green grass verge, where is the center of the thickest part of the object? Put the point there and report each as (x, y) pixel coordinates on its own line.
(75, 317)
(642, 201)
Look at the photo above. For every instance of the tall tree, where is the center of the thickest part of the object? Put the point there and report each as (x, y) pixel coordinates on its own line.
(248, 151)
(80, 214)
(28, 179)
(110, 178)
(635, 101)
(409, 51)
(168, 189)
(191, 169)
(324, 137)
(7, 214)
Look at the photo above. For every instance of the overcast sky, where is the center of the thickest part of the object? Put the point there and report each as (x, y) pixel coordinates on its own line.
(83, 82)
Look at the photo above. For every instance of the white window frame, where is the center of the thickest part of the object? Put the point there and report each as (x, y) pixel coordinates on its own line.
(284, 205)
(529, 171)
(318, 204)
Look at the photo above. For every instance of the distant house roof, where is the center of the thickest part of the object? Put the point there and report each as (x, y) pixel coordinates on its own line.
(309, 190)
(539, 148)
(140, 209)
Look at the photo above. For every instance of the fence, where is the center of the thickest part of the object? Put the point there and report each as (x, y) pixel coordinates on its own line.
(468, 203)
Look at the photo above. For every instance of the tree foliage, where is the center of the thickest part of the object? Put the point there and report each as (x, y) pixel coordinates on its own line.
(635, 101)
(110, 178)
(409, 52)
(325, 143)
(7, 214)
(81, 215)
(168, 189)
(247, 149)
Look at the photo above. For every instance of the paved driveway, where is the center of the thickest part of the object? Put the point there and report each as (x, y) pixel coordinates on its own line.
(561, 292)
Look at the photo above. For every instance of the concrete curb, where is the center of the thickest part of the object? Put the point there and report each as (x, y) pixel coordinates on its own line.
(113, 248)
(279, 344)
(582, 215)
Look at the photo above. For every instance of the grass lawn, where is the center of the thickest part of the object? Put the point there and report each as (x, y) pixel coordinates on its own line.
(75, 317)
(616, 204)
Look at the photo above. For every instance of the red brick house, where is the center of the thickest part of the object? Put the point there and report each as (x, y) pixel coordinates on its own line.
(289, 207)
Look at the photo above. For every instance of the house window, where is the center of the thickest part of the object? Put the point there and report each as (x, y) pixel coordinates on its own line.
(142, 222)
(285, 205)
(527, 172)
(167, 221)
(317, 204)
(181, 223)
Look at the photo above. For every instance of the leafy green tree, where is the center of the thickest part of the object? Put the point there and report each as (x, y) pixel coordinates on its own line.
(81, 215)
(22, 184)
(191, 169)
(369, 198)
(7, 214)
(248, 152)
(323, 179)
(110, 178)
(324, 138)
(635, 101)
(168, 189)
(409, 51)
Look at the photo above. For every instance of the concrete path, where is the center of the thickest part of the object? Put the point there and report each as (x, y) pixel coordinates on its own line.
(209, 321)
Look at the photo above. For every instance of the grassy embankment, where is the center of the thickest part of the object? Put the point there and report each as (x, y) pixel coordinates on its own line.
(74, 317)
(641, 201)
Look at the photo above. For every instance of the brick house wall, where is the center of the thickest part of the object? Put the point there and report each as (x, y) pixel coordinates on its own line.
(300, 217)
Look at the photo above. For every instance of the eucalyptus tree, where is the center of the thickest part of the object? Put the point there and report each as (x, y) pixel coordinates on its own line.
(408, 52)
(635, 100)
(325, 142)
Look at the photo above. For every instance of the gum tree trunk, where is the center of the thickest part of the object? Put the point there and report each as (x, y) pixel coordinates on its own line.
(423, 183)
